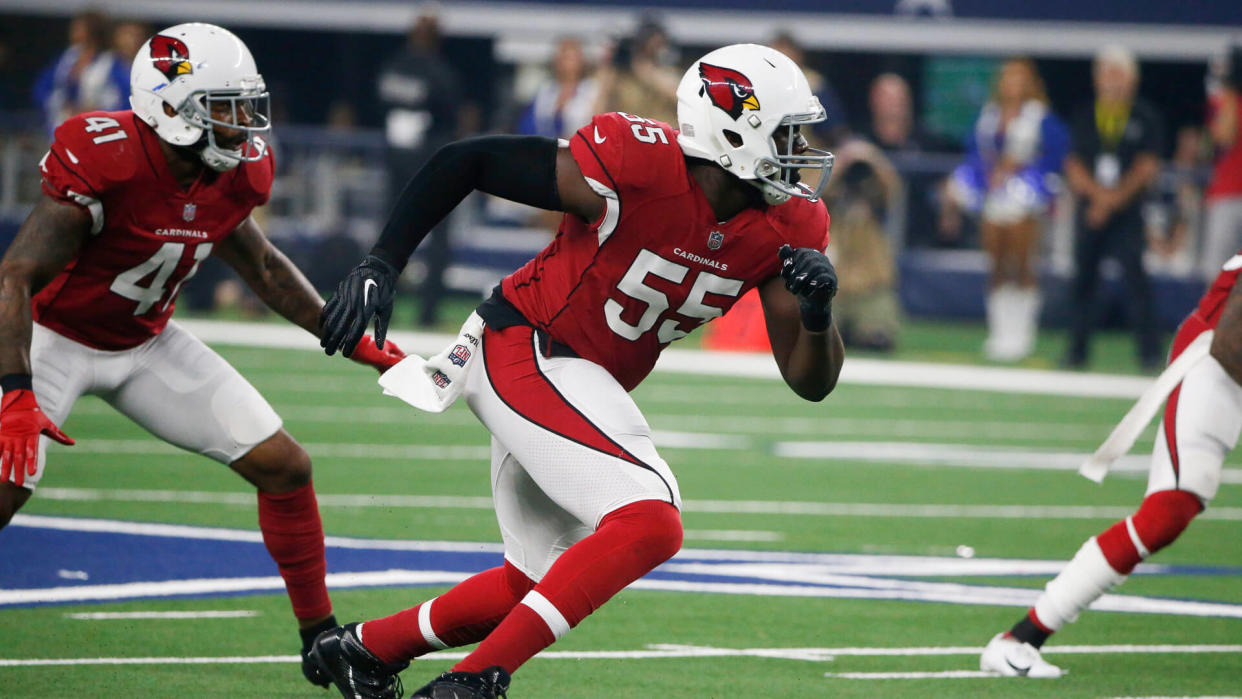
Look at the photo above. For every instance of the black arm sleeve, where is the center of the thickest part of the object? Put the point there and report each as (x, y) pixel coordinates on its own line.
(518, 168)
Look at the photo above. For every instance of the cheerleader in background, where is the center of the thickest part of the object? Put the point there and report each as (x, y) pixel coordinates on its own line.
(1008, 180)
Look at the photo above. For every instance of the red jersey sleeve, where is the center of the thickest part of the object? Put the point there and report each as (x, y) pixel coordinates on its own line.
(802, 223)
(626, 153)
(91, 154)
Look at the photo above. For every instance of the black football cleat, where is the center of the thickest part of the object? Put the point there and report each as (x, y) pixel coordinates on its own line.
(338, 656)
(492, 683)
(312, 672)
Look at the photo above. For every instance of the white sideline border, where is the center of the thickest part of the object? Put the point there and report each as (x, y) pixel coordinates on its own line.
(872, 372)
(654, 652)
(753, 507)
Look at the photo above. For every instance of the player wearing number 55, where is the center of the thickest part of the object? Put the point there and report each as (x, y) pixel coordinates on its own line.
(132, 202)
(664, 229)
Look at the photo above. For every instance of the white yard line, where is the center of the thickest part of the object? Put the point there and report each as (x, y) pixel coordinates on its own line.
(731, 535)
(888, 428)
(898, 453)
(761, 507)
(403, 452)
(736, 425)
(941, 675)
(204, 614)
(873, 372)
(653, 652)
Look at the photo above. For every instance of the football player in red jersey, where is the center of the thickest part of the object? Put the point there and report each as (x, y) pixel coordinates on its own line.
(1201, 422)
(663, 230)
(132, 202)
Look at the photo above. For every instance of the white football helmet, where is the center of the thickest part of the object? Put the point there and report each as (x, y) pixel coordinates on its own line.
(194, 68)
(731, 103)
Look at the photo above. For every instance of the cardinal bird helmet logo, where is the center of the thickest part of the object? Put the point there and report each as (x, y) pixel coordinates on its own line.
(171, 56)
(728, 89)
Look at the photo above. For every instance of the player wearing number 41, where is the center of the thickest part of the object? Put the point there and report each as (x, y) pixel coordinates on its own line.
(663, 231)
(132, 202)
(1201, 422)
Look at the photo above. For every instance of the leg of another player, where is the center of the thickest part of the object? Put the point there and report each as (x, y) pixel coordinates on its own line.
(12, 497)
(1101, 564)
(292, 530)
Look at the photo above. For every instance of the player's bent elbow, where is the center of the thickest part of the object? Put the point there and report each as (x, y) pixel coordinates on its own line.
(16, 274)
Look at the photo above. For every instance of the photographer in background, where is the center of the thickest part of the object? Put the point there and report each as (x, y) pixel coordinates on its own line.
(642, 76)
(1222, 233)
(867, 310)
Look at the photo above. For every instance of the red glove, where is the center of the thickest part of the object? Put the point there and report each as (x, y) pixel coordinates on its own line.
(21, 423)
(381, 359)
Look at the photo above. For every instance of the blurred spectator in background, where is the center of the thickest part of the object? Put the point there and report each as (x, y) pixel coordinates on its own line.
(1117, 142)
(826, 133)
(892, 126)
(86, 76)
(420, 93)
(865, 307)
(564, 102)
(127, 38)
(641, 76)
(1174, 212)
(1008, 179)
(1222, 234)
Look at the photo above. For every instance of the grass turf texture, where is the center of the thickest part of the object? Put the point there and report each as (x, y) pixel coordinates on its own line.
(327, 401)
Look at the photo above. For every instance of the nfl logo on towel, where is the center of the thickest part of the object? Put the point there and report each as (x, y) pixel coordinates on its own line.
(714, 240)
(440, 379)
(188, 212)
(459, 355)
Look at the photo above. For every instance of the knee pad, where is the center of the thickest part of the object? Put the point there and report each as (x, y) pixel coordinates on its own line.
(1163, 516)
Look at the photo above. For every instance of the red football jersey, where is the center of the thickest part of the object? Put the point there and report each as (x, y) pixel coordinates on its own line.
(657, 264)
(1213, 302)
(148, 234)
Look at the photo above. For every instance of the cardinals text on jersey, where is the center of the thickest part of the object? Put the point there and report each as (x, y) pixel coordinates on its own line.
(148, 234)
(657, 264)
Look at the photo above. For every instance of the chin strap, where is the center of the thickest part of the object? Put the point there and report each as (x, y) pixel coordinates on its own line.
(214, 159)
(771, 195)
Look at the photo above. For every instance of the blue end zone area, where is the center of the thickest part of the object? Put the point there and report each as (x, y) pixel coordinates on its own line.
(69, 560)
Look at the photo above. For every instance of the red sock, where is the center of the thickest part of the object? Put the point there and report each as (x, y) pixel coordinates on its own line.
(628, 544)
(1162, 517)
(459, 617)
(293, 534)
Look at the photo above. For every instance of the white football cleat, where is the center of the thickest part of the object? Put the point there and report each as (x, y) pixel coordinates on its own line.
(1009, 657)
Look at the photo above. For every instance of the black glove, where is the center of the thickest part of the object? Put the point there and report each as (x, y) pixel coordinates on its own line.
(365, 292)
(811, 277)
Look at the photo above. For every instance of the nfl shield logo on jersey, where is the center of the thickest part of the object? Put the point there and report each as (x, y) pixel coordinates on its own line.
(459, 355)
(188, 212)
(714, 240)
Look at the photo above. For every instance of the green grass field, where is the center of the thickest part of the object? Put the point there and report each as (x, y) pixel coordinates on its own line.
(356, 437)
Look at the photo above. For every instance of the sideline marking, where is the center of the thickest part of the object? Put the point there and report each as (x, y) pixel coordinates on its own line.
(764, 507)
(654, 651)
(205, 614)
(872, 372)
